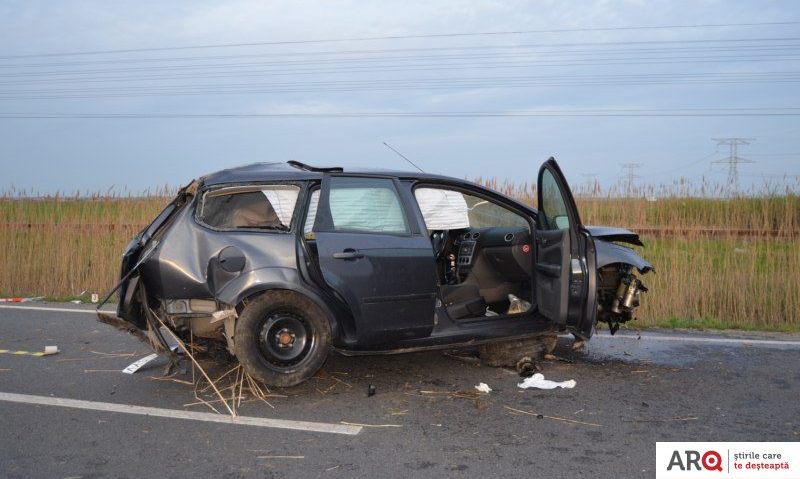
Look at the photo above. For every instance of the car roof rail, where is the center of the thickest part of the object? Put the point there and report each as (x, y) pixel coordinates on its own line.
(303, 166)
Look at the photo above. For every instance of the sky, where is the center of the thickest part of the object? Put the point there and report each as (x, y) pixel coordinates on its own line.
(510, 83)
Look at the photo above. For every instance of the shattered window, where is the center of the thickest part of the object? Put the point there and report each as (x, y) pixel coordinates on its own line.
(268, 207)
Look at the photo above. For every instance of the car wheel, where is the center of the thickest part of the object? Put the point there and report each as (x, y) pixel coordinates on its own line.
(282, 338)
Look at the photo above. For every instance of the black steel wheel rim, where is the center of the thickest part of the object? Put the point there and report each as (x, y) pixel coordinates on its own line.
(285, 339)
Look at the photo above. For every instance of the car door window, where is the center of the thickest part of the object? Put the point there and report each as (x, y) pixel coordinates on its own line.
(249, 207)
(366, 205)
(553, 213)
(444, 209)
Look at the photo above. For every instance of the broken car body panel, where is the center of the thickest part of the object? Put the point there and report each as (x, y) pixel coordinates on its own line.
(394, 261)
(608, 233)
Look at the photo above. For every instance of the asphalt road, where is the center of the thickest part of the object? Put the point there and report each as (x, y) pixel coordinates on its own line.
(630, 393)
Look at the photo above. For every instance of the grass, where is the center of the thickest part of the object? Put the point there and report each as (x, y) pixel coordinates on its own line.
(704, 323)
(716, 268)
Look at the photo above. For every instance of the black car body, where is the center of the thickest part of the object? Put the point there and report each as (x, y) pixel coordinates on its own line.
(285, 261)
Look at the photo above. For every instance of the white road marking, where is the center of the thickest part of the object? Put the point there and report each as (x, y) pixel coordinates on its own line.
(689, 339)
(58, 310)
(178, 414)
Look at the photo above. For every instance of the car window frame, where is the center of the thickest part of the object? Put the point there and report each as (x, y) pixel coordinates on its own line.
(200, 201)
(301, 222)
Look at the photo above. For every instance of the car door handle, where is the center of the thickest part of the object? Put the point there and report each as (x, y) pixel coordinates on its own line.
(348, 254)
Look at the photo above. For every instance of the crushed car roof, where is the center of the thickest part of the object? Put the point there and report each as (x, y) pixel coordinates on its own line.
(288, 172)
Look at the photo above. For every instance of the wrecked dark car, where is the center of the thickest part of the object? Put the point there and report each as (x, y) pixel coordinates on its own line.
(283, 263)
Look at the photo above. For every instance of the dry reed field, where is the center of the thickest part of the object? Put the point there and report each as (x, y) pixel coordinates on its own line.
(720, 262)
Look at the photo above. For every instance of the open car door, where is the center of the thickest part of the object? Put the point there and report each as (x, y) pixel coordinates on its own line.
(566, 290)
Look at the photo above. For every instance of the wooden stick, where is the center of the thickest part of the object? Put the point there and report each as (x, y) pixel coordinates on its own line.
(552, 417)
(113, 355)
(179, 381)
(369, 425)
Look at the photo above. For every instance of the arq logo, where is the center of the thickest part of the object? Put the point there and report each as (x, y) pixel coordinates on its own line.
(689, 460)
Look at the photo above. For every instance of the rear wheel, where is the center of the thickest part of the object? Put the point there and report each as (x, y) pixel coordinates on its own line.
(282, 338)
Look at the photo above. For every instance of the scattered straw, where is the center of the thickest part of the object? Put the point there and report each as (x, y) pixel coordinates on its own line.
(555, 418)
(191, 357)
(369, 425)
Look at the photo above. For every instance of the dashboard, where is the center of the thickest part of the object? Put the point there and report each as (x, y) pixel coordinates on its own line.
(503, 248)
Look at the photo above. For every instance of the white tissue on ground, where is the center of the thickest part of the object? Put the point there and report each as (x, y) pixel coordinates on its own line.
(484, 388)
(539, 382)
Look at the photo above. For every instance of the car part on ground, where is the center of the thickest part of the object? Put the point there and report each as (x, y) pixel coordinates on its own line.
(510, 353)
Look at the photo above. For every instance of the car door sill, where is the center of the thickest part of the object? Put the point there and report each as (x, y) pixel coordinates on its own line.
(440, 346)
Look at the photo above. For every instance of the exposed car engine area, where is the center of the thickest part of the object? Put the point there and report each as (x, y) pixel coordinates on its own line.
(618, 291)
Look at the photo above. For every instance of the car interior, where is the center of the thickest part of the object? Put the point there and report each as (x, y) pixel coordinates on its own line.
(483, 253)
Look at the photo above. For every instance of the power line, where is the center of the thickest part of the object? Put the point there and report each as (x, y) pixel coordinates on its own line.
(684, 166)
(189, 89)
(516, 50)
(397, 37)
(413, 114)
(178, 71)
(480, 51)
(774, 154)
(733, 159)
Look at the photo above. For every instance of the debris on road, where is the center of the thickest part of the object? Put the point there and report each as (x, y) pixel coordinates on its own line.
(526, 367)
(21, 300)
(539, 382)
(579, 345)
(371, 389)
(484, 388)
(555, 418)
(138, 364)
(369, 425)
(508, 353)
(48, 351)
(469, 359)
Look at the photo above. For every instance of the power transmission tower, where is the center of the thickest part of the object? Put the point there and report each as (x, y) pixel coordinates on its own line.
(733, 160)
(630, 176)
